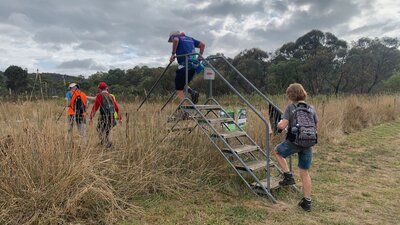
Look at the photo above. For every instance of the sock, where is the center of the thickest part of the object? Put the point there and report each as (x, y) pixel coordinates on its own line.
(307, 199)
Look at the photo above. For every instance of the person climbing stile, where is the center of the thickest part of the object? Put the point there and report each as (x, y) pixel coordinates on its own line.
(182, 44)
(106, 121)
(300, 121)
(77, 106)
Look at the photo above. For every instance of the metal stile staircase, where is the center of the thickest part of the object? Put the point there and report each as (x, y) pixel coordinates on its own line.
(251, 162)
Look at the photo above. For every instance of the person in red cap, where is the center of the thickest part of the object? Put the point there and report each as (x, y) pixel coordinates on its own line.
(106, 122)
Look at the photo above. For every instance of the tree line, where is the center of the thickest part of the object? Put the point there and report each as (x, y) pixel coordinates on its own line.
(322, 62)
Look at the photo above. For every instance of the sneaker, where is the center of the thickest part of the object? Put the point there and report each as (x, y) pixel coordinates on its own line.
(305, 204)
(287, 180)
(195, 96)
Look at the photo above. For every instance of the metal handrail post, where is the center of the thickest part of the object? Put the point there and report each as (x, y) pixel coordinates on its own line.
(210, 93)
(186, 76)
(267, 148)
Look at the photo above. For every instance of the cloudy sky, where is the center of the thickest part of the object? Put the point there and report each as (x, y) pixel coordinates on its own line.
(85, 36)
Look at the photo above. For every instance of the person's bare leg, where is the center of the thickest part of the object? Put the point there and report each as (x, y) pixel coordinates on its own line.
(306, 180)
(287, 175)
(181, 96)
(281, 161)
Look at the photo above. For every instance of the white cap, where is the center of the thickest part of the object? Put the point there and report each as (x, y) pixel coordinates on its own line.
(173, 34)
(71, 85)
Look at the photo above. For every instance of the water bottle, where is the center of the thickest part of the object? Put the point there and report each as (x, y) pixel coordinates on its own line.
(295, 130)
(200, 67)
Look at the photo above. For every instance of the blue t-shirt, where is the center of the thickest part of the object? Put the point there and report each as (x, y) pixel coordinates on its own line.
(69, 95)
(186, 45)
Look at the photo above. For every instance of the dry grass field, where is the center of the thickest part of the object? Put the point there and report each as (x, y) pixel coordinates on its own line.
(48, 179)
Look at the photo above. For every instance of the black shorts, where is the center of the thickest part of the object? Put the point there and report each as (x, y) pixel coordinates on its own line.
(180, 78)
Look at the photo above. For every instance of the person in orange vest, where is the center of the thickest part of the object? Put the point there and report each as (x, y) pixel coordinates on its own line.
(108, 106)
(77, 106)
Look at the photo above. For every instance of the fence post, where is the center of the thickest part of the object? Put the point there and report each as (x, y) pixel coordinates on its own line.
(127, 125)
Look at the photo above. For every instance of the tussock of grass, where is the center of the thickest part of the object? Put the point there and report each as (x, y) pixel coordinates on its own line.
(46, 179)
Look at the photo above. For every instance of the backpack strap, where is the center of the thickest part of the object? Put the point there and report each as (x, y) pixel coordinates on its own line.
(105, 97)
(298, 104)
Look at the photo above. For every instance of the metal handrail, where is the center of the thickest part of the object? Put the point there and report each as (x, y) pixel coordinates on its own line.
(267, 149)
(254, 88)
(247, 81)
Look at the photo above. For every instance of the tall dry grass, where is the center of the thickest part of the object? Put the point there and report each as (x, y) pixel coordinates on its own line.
(337, 116)
(47, 179)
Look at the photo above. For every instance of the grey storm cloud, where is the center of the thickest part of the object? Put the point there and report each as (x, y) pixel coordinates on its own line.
(384, 26)
(103, 32)
(320, 14)
(89, 64)
(221, 8)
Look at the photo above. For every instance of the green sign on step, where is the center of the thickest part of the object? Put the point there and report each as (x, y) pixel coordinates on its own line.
(238, 115)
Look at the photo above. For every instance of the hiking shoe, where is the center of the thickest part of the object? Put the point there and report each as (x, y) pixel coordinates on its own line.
(305, 204)
(195, 96)
(109, 145)
(180, 115)
(185, 116)
(287, 180)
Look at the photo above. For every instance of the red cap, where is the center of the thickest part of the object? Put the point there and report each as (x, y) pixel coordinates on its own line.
(102, 85)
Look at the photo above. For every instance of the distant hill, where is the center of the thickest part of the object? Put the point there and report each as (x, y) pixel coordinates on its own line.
(53, 84)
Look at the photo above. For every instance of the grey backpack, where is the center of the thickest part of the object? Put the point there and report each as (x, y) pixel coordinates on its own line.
(303, 126)
(107, 108)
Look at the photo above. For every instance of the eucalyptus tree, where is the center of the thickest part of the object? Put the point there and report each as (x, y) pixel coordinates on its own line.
(16, 78)
(370, 61)
(321, 55)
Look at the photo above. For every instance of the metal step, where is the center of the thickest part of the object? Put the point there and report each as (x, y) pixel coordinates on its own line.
(175, 118)
(231, 134)
(216, 120)
(175, 129)
(253, 166)
(241, 149)
(274, 183)
(203, 107)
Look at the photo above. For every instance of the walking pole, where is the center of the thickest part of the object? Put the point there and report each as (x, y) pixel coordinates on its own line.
(169, 99)
(154, 85)
(62, 112)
